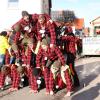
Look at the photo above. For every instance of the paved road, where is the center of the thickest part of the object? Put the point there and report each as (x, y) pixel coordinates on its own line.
(89, 74)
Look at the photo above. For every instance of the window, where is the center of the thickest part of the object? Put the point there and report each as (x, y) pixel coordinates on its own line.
(97, 30)
(13, 0)
(13, 3)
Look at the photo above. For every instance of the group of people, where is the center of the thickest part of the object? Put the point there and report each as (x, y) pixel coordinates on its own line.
(37, 47)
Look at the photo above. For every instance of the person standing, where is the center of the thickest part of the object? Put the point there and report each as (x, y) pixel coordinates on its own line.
(70, 39)
(4, 46)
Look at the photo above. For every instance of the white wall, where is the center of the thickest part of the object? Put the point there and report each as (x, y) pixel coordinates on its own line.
(8, 16)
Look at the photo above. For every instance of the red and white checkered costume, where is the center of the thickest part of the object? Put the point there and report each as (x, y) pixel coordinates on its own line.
(22, 24)
(8, 56)
(14, 76)
(71, 41)
(19, 28)
(32, 78)
(52, 55)
(26, 60)
(71, 55)
(49, 30)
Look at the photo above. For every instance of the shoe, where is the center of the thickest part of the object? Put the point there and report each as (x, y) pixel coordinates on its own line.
(51, 93)
(1, 88)
(21, 85)
(57, 87)
(12, 89)
(47, 92)
(33, 91)
(68, 94)
(76, 85)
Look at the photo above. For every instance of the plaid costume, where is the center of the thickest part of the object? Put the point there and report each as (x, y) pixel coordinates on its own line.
(8, 56)
(68, 81)
(52, 55)
(49, 31)
(14, 75)
(71, 41)
(32, 79)
(18, 30)
(26, 59)
(21, 24)
(71, 51)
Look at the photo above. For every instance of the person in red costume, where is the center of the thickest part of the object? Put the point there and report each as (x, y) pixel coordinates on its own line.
(26, 23)
(46, 29)
(45, 59)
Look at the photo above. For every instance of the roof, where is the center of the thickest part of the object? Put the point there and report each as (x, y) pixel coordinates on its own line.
(95, 19)
(79, 23)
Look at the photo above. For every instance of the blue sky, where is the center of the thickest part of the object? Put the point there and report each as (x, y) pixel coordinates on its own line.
(87, 9)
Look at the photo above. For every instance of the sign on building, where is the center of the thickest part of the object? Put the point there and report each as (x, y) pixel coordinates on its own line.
(91, 46)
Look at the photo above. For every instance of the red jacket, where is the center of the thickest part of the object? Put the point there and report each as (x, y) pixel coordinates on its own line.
(49, 30)
(70, 43)
(21, 24)
(49, 54)
(26, 59)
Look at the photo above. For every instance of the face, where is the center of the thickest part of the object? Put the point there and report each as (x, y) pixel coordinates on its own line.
(30, 43)
(41, 19)
(44, 47)
(26, 18)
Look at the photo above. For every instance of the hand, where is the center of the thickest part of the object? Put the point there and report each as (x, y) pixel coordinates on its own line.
(63, 68)
(26, 28)
(42, 31)
(59, 36)
(29, 30)
(43, 68)
(27, 66)
(9, 50)
(51, 45)
(23, 64)
(38, 67)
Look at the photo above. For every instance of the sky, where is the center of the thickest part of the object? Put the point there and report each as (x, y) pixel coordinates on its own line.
(87, 9)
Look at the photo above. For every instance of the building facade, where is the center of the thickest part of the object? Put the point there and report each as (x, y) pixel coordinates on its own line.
(95, 27)
(11, 10)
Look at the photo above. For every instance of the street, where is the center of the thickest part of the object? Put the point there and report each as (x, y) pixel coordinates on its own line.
(88, 70)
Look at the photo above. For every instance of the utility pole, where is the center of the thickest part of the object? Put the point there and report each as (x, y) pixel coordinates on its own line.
(46, 6)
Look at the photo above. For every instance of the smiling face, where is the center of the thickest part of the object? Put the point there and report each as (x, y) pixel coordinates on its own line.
(41, 19)
(25, 15)
(26, 18)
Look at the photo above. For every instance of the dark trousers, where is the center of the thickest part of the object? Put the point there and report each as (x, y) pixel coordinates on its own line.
(71, 63)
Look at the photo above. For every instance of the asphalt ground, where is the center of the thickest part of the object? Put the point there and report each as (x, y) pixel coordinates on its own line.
(88, 70)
